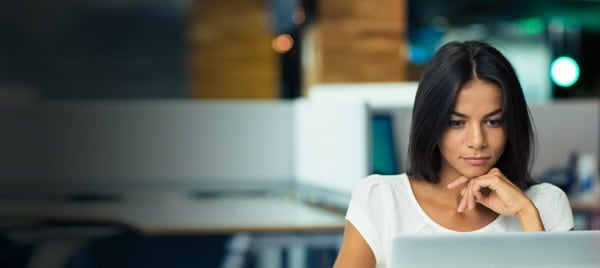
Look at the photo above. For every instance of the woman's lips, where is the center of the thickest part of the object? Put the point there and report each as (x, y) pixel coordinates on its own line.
(476, 161)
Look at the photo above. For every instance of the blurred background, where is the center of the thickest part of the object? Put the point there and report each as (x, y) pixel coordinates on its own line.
(79, 55)
(265, 49)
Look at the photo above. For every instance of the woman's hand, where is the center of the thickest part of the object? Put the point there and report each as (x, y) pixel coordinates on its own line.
(499, 194)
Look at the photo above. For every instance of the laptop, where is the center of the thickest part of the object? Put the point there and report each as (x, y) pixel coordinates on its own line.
(574, 249)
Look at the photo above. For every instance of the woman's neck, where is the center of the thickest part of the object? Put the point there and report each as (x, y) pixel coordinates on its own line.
(439, 191)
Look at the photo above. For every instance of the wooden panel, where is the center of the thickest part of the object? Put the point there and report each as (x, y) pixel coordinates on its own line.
(230, 50)
(359, 41)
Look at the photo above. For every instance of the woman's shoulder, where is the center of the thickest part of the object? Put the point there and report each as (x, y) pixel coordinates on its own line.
(382, 185)
(553, 206)
(546, 190)
(547, 195)
(374, 180)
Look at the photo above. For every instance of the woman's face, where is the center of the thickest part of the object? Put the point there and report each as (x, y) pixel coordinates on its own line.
(474, 138)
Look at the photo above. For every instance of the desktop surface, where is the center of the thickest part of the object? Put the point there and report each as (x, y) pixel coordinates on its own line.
(171, 212)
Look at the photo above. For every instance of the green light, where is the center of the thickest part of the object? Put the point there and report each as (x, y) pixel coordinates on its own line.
(564, 71)
(531, 26)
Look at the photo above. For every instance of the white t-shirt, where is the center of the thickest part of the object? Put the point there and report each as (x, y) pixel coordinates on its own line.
(382, 207)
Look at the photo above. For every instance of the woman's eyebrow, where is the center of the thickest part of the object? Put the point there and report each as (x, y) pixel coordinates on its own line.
(497, 111)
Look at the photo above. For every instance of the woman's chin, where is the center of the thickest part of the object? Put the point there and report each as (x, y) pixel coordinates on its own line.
(475, 173)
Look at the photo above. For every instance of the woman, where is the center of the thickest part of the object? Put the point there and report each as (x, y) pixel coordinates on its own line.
(471, 145)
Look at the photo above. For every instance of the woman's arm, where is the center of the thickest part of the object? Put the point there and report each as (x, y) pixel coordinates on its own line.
(354, 252)
(530, 219)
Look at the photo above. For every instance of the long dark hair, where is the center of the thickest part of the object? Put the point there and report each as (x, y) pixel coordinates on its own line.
(452, 66)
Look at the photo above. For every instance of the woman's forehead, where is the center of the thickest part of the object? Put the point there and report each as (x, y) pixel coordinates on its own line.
(478, 96)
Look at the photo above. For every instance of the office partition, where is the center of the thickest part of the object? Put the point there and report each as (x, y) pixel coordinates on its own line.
(331, 144)
(193, 144)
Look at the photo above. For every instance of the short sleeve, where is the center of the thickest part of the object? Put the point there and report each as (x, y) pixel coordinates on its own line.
(362, 211)
(553, 206)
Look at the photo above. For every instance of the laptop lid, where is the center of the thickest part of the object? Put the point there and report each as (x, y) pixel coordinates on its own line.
(575, 249)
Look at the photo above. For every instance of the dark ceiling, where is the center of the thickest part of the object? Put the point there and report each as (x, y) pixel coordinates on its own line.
(462, 12)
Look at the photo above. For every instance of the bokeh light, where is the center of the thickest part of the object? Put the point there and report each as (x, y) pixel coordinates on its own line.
(282, 43)
(564, 71)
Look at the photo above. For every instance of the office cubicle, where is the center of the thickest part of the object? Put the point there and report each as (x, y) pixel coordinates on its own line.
(311, 150)
(193, 168)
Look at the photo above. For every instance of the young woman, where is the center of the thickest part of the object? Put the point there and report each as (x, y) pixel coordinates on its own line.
(471, 145)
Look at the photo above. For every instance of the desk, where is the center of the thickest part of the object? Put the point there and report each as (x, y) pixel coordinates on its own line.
(173, 212)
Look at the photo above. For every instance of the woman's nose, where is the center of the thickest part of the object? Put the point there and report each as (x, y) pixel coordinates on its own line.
(476, 137)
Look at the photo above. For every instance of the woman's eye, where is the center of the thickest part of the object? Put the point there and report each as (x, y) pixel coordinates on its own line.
(494, 122)
(455, 123)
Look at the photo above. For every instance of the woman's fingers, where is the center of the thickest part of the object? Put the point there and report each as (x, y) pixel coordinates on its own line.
(474, 192)
(467, 200)
(492, 190)
(471, 196)
(480, 193)
(462, 203)
(497, 193)
(478, 190)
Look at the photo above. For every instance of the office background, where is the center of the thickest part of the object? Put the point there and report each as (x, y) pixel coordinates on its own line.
(224, 98)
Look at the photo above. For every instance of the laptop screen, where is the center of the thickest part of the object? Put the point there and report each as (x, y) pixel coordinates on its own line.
(575, 249)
